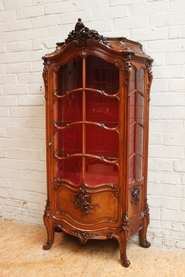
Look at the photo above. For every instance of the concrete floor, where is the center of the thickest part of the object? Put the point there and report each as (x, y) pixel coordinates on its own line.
(21, 254)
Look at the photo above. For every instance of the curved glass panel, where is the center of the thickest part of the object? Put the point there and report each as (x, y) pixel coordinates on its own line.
(69, 109)
(139, 165)
(70, 169)
(132, 107)
(131, 169)
(132, 83)
(69, 140)
(102, 75)
(99, 172)
(101, 142)
(140, 108)
(141, 80)
(69, 76)
(140, 139)
(132, 139)
(101, 108)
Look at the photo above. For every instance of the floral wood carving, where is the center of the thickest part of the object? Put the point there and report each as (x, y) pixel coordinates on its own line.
(135, 195)
(146, 211)
(125, 222)
(128, 66)
(83, 201)
(82, 33)
(83, 236)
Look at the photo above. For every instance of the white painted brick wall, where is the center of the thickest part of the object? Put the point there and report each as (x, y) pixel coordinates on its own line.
(28, 30)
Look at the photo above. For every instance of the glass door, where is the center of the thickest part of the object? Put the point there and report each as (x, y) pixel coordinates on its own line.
(86, 121)
(102, 122)
(68, 121)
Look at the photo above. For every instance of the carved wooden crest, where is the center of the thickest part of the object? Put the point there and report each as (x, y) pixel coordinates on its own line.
(81, 34)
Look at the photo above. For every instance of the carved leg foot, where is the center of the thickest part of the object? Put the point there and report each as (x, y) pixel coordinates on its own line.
(123, 245)
(144, 243)
(50, 239)
(47, 245)
(124, 261)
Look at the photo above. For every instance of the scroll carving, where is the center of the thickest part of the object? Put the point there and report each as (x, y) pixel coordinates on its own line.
(150, 78)
(135, 195)
(45, 77)
(115, 190)
(55, 67)
(122, 44)
(57, 183)
(47, 209)
(81, 34)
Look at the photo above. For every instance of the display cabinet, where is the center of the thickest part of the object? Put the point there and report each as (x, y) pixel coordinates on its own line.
(97, 93)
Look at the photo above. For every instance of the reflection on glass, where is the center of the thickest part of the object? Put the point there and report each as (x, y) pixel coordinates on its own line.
(102, 75)
(101, 108)
(139, 163)
(132, 139)
(132, 106)
(132, 79)
(70, 169)
(141, 80)
(99, 172)
(140, 109)
(69, 109)
(69, 140)
(131, 169)
(140, 139)
(101, 142)
(69, 76)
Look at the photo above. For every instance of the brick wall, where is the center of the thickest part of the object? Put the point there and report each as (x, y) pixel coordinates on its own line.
(28, 30)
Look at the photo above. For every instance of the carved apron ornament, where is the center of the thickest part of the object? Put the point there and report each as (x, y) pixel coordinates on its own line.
(83, 236)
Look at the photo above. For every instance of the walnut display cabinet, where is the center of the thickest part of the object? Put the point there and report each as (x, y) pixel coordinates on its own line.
(97, 94)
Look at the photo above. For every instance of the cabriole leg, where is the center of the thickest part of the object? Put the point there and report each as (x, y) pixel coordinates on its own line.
(49, 228)
(123, 246)
(142, 234)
